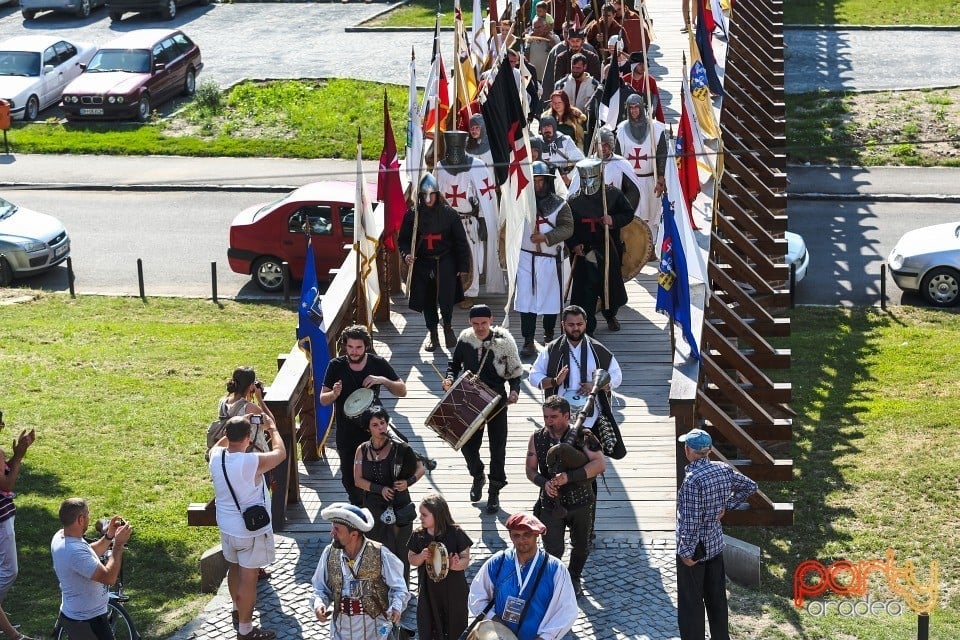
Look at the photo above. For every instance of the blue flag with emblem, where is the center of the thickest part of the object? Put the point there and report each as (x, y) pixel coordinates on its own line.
(673, 284)
(312, 339)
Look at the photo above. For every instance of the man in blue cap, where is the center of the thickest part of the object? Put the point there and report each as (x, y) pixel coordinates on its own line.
(708, 490)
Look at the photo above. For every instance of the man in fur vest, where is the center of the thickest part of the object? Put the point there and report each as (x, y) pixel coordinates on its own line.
(490, 353)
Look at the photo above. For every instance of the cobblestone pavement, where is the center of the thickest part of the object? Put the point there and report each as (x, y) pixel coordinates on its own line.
(629, 585)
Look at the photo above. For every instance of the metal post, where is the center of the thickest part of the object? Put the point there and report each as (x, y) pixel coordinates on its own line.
(923, 626)
(143, 295)
(213, 279)
(285, 266)
(71, 278)
(883, 285)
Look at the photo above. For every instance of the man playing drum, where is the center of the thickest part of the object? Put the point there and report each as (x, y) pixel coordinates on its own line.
(491, 354)
(358, 369)
(526, 589)
(566, 497)
(540, 273)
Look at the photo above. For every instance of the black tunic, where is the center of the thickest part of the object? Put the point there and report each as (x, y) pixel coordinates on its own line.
(442, 606)
(442, 252)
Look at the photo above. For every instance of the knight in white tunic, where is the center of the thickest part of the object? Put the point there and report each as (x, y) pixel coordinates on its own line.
(635, 144)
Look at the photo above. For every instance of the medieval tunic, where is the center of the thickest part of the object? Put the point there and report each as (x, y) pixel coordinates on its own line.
(639, 152)
(442, 252)
(442, 605)
(464, 188)
(541, 273)
(369, 587)
(588, 271)
(617, 172)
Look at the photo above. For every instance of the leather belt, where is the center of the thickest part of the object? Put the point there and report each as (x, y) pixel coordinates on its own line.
(540, 254)
(645, 175)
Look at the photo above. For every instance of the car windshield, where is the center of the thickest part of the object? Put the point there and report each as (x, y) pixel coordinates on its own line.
(19, 63)
(267, 208)
(7, 209)
(129, 60)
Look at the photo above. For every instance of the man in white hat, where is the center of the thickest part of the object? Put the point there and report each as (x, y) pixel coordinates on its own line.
(360, 579)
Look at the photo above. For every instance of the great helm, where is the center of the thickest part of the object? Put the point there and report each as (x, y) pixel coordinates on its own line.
(590, 170)
(455, 147)
(428, 185)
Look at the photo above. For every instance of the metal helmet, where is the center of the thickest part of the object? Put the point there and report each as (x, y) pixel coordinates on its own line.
(590, 170)
(428, 185)
(542, 170)
(455, 148)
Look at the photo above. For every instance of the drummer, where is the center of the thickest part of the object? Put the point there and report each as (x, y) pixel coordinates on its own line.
(360, 368)
(490, 353)
(525, 581)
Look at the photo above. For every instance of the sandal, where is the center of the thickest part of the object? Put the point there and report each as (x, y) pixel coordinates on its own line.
(258, 634)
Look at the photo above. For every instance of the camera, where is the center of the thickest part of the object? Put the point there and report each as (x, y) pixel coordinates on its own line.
(256, 419)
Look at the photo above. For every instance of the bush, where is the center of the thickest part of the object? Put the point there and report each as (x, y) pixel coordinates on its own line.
(208, 97)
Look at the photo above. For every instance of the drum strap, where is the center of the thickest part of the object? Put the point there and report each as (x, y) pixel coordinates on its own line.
(533, 590)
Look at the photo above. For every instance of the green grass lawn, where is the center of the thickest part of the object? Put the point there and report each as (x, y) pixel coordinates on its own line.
(423, 13)
(872, 12)
(121, 392)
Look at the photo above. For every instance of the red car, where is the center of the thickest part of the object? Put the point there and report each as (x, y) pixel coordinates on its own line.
(264, 236)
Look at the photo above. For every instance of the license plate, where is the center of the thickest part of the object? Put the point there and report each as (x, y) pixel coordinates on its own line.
(91, 112)
(59, 251)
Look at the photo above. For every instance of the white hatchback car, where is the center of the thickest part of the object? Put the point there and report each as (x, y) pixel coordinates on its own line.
(35, 69)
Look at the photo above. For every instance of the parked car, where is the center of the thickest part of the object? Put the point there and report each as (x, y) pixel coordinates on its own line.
(797, 254)
(166, 9)
(80, 8)
(35, 69)
(130, 76)
(264, 236)
(927, 261)
(30, 242)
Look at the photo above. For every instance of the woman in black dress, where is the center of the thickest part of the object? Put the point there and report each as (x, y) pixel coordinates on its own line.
(442, 605)
(385, 469)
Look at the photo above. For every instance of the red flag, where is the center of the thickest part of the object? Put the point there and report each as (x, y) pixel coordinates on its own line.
(389, 190)
(492, 13)
(707, 16)
(443, 98)
(687, 162)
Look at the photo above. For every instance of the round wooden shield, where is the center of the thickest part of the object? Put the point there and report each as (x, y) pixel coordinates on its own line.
(638, 248)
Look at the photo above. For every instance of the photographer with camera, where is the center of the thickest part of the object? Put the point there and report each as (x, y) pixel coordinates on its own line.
(246, 533)
(244, 396)
(84, 579)
(8, 511)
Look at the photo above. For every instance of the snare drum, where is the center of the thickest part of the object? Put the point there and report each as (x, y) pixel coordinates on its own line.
(491, 630)
(465, 407)
(439, 563)
(358, 402)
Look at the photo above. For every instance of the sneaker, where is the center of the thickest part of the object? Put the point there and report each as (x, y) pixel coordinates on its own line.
(477, 489)
(258, 634)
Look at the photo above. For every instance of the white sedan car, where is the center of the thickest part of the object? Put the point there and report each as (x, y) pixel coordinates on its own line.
(35, 69)
(927, 261)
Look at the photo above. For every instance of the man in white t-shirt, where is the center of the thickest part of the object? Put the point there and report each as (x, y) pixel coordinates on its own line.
(83, 578)
(245, 551)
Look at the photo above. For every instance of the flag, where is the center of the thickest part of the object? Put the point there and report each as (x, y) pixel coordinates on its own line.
(705, 10)
(414, 151)
(466, 79)
(706, 157)
(687, 160)
(609, 108)
(721, 18)
(504, 115)
(312, 340)
(704, 41)
(438, 99)
(673, 286)
(683, 221)
(389, 189)
(701, 93)
(493, 13)
(367, 229)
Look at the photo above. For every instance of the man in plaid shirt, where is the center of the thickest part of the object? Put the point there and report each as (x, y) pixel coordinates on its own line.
(708, 490)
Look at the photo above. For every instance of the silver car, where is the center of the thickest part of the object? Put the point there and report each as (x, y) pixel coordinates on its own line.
(80, 8)
(30, 242)
(927, 261)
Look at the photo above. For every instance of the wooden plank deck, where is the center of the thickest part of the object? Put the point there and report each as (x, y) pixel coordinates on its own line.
(640, 492)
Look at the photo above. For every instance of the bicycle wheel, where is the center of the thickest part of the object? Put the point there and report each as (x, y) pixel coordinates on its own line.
(120, 622)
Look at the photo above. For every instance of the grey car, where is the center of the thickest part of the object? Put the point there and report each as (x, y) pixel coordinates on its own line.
(927, 261)
(81, 8)
(30, 242)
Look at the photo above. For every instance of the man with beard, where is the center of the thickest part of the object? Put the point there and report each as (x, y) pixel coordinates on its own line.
(599, 212)
(361, 579)
(617, 172)
(359, 368)
(564, 60)
(635, 140)
(441, 253)
(580, 86)
(491, 354)
(540, 273)
(466, 185)
(600, 31)
(559, 151)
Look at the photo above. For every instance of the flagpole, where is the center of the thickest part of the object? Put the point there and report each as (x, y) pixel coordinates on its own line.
(456, 61)
(606, 242)
(436, 120)
(361, 298)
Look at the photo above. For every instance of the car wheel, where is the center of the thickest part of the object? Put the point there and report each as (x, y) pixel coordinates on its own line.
(28, 14)
(116, 16)
(268, 274)
(32, 110)
(941, 287)
(143, 108)
(190, 83)
(6, 273)
(84, 9)
(170, 10)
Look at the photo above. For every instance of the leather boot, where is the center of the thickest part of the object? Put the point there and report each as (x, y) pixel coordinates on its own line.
(449, 337)
(432, 341)
(529, 348)
(477, 487)
(493, 500)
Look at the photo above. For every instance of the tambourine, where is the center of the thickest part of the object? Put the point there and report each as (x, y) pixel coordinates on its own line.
(358, 402)
(439, 563)
(491, 630)
(576, 400)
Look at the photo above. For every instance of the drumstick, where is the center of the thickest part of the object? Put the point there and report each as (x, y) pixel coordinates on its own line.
(442, 377)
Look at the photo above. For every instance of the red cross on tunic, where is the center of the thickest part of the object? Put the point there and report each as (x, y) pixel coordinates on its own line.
(487, 188)
(430, 238)
(454, 196)
(593, 222)
(518, 155)
(636, 157)
(541, 220)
